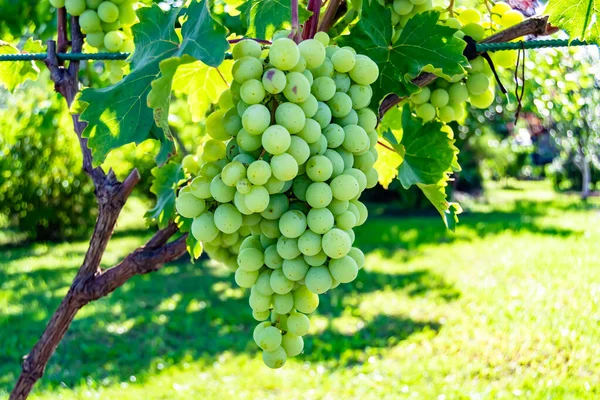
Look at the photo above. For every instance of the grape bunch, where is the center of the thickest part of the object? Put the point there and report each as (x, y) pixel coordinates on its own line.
(106, 25)
(446, 100)
(276, 192)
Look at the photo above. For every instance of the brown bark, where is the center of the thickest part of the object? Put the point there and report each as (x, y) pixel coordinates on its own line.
(537, 26)
(91, 282)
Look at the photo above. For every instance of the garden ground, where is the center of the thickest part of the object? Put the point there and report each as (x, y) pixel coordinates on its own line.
(506, 307)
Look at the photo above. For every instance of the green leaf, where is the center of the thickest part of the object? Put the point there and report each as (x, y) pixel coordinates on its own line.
(437, 196)
(428, 153)
(264, 17)
(166, 181)
(15, 73)
(122, 113)
(423, 42)
(580, 18)
(192, 245)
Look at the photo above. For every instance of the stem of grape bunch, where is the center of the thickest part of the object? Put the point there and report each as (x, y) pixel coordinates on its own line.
(295, 34)
(310, 28)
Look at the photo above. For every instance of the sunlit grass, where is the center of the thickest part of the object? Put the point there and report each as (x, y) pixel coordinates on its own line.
(507, 307)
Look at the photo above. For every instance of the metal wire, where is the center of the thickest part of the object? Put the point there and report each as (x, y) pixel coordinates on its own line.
(481, 47)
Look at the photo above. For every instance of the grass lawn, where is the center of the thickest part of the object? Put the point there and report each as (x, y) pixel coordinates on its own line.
(507, 307)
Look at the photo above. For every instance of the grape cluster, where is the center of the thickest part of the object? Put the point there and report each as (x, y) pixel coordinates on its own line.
(446, 100)
(106, 25)
(291, 149)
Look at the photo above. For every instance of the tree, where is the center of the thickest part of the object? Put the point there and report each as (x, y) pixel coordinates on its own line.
(411, 48)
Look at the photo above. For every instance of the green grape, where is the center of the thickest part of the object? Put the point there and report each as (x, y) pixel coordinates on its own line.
(89, 21)
(310, 106)
(320, 220)
(245, 159)
(284, 54)
(323, 88)
(256, 119)
(213, 150)
(318, 195)
(459, 112)
(283, 303)
(421, 97)
(358, 256)
(342, 82)
(313, 51)
(349, 119)
(108, 11)
(292, 344)
(318, 280)
(356, 139)
(322, 37)
(279, 283)
(457, 93)
(250, 259)
(354, 210)
(343, 60)
(250, 220)
(319, 147)
(365, 162)
(446, 114)
(292, 224)
(359, 176)
(127, 15)
(93, 4)
(331, 50)
(57, 3)
(360, 96)
(276, 140)
(113, 40)
(284, 167)
(258, 302)
(294, 269)
(468, 16)
(246, 48)
(269, 338)
(309, 243)
(345, 220)
(346, 156)
(367, 119)
(95, 39)
(229, 239)
(439, 98)
(247, 68)
(287, 248)
(227, 218)
(426, 112)
(260, 315)
(365, 71)
(290, 116)
(319, 168)
(275, 186)
(233, 172)
(231, 123)
(200, 187)
(259, 172)
(316, 260)
(299, 149)
(506, 59)
(305, 301)
(220, 191)
(263, 283)
(252, 91)
(257, 199)
(372, 178)
(336, 243)
(274, 359)
(75, 7)
(245, 279)
(340, 105)
(323, 115)
(189, 206)
(334, 135)
(337, 207)
(300, 66)
(300, 185)
(297, 88)
(475, 31)
(343, 270)
(510, 18)
(272, 258)
(362, 211)
(345, 187)
(325, 69)
(477, 83)
(204, 228)
(403, 7)
(274, 81)
(258, 330)
(266, 242)
(278, 204)
(248, 142)
(483, 100)
(311, 132)
(127, 47)
(110, 26)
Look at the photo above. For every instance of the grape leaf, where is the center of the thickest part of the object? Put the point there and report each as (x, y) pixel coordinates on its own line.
(120, 114)
(264, 17)
(166, 181)
(15, 73)
(580, 18)
(192, 245)
(423, 42)
(437, 196)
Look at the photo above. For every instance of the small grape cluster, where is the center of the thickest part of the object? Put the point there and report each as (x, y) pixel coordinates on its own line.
(403, 10)
(446, 100)
(276, 194)
(106, 25)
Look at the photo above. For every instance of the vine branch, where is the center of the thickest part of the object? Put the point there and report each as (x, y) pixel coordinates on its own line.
(537, 26)
(330, 15)
(310, 28)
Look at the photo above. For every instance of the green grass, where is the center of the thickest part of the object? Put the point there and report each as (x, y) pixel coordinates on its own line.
(506, 307)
